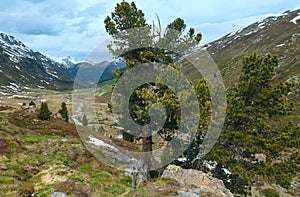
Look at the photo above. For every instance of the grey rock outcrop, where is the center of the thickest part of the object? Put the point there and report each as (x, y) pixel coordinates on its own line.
(196, 183)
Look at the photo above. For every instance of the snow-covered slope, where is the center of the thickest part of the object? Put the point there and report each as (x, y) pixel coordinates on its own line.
(26, 68)
(278, 35)
(14, 47)
(67, 62)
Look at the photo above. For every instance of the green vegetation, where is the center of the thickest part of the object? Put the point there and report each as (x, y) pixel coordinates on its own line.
(258, 145)
(270, 193)
(126, 17)
(34, 163)
(44, 113)
(32, 104)
(250, 146)
(37, 158)
(84, 120)
(64, 112)
(255, 97)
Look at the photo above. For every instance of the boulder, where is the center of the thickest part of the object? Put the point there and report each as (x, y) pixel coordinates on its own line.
(58, 194)
(195, 182)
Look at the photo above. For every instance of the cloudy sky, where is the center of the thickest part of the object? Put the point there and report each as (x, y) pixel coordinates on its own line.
(75, 27)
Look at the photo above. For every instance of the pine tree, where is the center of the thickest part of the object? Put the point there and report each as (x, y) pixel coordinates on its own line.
(44, 113)
(256, 97)
(32, 104)
(84, 120)
(64, 112)
(125, 17)
(253, 103)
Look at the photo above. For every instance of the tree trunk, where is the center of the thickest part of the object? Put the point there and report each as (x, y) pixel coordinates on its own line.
(147, 148)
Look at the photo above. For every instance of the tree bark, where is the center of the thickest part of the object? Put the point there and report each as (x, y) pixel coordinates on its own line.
(147, 148)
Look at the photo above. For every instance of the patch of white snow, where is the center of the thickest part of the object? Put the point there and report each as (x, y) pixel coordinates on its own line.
(294, 20)
(100, 143)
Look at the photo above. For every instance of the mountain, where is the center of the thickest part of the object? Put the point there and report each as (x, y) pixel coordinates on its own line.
(249, 154)
(88, 73)
(278, 35)
(23, 68)
(67, 62)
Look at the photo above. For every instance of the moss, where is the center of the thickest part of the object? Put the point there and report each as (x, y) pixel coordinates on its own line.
(269, 192)
(26, 190)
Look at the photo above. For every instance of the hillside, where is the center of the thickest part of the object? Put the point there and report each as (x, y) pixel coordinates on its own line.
(279, 35)
(42, 157)
(39, 158)
(23, 68)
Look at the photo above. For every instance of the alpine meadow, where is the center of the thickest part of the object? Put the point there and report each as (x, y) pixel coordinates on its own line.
(150, 98)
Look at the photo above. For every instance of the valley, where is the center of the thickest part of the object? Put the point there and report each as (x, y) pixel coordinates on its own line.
(92, 154)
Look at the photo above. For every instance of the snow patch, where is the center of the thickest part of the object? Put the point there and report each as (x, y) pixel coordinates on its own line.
(249, 33)
(17, 86)
(119, 128)
(280, 45)
(232, 33)
(53, 75)
(4, 93)
(261, 25)
(100, 143)
(226, 171)
(46, 82)
(294, 20)
(181, 159)
(211, 165)
(236, 37)
(20, 97)
(66, 61)
(120, 137)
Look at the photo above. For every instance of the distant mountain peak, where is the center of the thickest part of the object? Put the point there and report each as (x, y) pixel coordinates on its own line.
(14, 48)
(26, 68)
(11, 40)
(68, 61)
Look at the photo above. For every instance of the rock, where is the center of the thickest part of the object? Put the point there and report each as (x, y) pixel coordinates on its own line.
(187, 194)
(295, 186)
(3, 167)
(58, 194)
(260, 157)
(196, 183)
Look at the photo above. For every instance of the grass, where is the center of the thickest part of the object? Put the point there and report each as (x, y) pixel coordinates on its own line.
(106, 88)
(38, 156)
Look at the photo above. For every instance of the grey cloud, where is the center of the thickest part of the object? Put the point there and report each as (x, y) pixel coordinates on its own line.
(213, 11)
(34, 25)
(95, 10)
(36, 1)
(38, 29)
(10, 5)
(73, 27)
(82, 25)
(60, 8)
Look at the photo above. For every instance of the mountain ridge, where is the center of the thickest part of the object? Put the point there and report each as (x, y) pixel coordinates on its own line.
(278, 35)
(21, 68)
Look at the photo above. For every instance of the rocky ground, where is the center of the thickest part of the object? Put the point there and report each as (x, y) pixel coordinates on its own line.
(44, 158)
